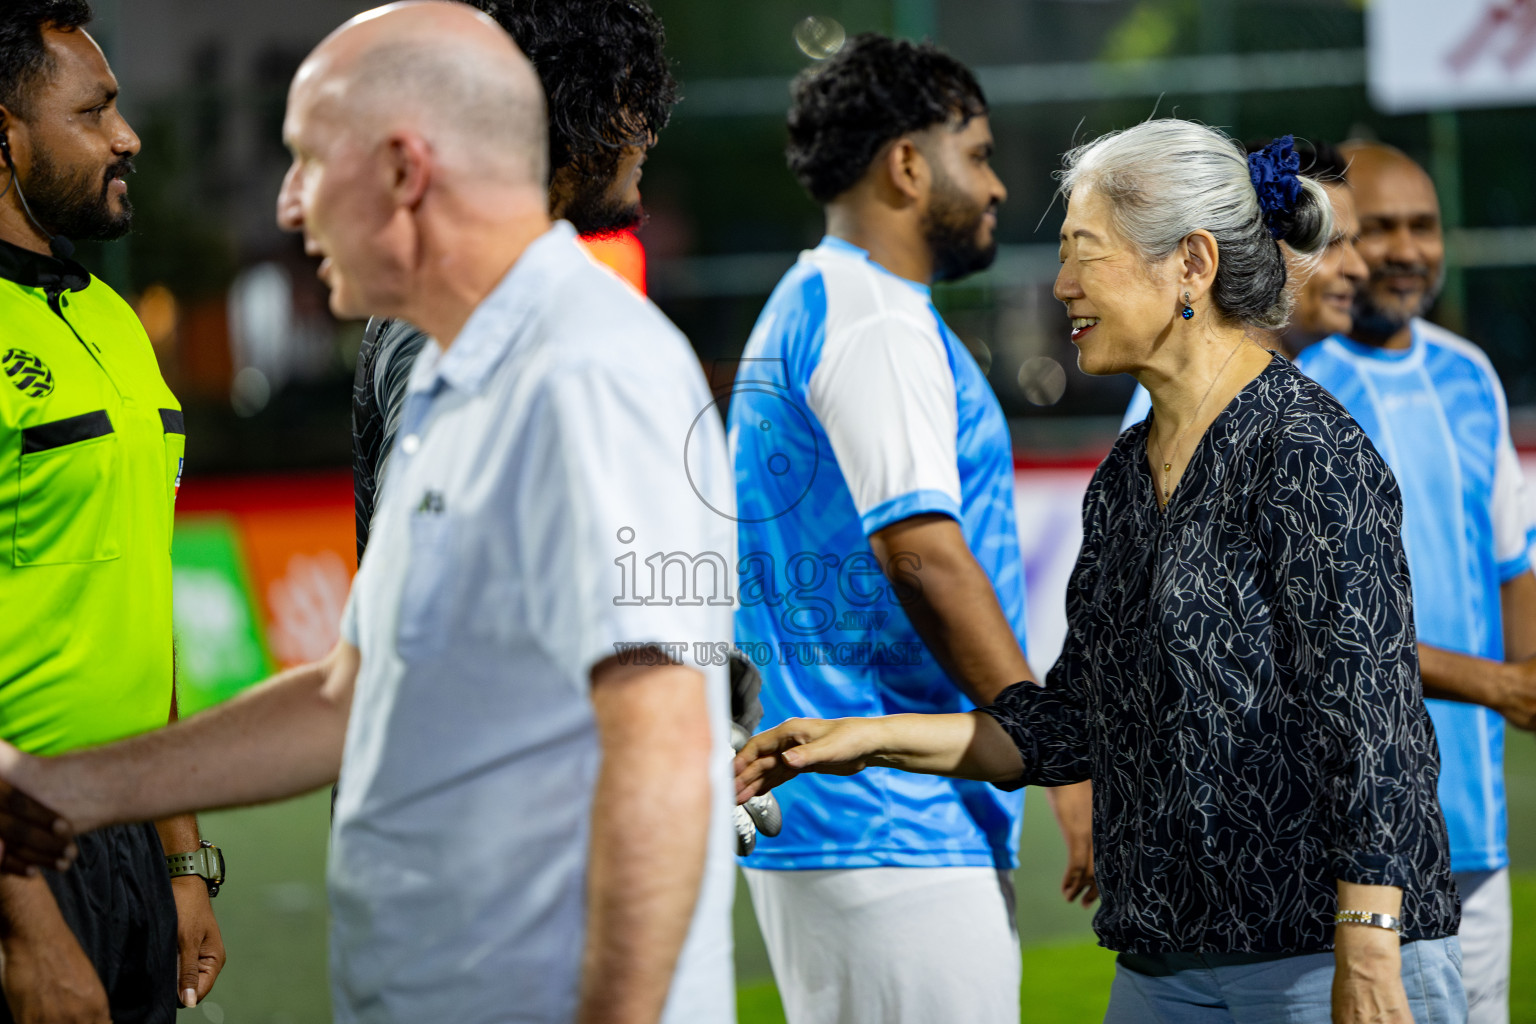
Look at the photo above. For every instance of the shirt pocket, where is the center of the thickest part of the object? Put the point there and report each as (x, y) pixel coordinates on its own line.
(175, 459)
(427, 593)
(66, 506)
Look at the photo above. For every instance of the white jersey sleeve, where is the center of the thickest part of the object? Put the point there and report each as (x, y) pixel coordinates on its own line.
(885, 395)
(1512, 526)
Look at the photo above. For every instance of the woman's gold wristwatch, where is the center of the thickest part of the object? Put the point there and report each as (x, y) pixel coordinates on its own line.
(207, 861)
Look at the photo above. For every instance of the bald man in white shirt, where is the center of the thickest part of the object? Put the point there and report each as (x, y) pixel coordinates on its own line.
(534, 820)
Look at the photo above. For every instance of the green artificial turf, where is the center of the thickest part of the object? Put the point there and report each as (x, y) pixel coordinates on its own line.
(1066, 983)
(1522, 980)
(759, 1004)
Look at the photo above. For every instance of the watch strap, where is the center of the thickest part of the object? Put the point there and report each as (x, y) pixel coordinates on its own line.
(1371, 920)
(207, 861)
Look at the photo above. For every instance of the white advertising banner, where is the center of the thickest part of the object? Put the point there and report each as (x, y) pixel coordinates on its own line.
(1050, 503)
(1440, 54)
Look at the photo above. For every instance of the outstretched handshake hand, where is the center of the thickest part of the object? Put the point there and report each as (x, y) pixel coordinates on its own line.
(32, 835)
(966, 745)
(838, 747)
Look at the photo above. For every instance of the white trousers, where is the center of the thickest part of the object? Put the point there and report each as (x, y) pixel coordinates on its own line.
(891, 945)
(1487, 922)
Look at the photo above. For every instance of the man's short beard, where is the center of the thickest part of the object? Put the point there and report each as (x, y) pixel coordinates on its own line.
(952, 227)
(1371, 319)
(595, 212)
(77, 206)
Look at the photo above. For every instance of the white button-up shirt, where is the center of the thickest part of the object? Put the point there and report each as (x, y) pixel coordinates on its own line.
(565, 438)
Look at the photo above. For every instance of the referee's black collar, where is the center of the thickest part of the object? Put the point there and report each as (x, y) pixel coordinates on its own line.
(35, 270)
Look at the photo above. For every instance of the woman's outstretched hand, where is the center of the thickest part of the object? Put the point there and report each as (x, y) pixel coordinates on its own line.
(841, 746)
(969, 745)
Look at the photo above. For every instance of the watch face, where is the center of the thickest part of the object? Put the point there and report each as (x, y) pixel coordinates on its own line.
(210, 861)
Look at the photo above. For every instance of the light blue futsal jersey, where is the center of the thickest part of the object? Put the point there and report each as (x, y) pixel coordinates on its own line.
(1436, 412)
(856, 407)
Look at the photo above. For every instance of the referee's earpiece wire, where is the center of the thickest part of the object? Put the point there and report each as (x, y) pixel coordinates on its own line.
(5, 151)
(61, 247)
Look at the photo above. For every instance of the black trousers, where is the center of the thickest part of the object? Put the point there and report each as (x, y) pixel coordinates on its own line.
(117, 900)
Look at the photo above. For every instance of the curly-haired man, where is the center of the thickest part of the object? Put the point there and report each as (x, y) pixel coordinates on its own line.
(887, 898)
(610, 92)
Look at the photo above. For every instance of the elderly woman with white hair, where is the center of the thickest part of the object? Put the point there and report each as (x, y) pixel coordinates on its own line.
(1239, 679)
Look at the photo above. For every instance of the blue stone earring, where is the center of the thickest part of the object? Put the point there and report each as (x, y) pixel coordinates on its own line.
(1189, 312)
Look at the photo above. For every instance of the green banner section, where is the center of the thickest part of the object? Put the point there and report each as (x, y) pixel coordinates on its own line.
(219, 651)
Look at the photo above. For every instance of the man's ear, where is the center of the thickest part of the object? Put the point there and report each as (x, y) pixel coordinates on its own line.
(906, 170)
(408, 167)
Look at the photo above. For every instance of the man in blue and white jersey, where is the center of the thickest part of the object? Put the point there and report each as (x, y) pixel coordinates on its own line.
(1433, 406)
(880, 565)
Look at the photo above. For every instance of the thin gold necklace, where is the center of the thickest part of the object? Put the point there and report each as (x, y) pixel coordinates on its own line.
(1162, 453)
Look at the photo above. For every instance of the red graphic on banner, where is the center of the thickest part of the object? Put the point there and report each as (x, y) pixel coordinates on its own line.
(1507, 23)
(301, 565)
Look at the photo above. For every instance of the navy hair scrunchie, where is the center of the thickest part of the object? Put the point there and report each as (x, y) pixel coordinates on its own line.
(1274, 172)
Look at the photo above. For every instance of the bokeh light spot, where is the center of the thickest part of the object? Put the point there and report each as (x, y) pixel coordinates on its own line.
(1043, 380)
(819, 37)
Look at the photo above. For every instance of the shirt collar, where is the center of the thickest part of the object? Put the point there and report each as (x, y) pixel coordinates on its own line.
(498, 323)
(35, 270)
(1391, 357)
(843, 247)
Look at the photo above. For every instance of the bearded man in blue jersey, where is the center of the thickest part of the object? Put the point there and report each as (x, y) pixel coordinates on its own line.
(880, 564)
(1435, 409)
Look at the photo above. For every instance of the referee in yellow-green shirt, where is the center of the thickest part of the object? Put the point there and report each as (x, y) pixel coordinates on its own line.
(91, 448)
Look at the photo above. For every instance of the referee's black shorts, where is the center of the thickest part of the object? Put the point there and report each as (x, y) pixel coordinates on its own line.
(117, 900)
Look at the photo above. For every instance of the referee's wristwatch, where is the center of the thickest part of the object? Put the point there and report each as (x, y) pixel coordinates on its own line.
(207, 862)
